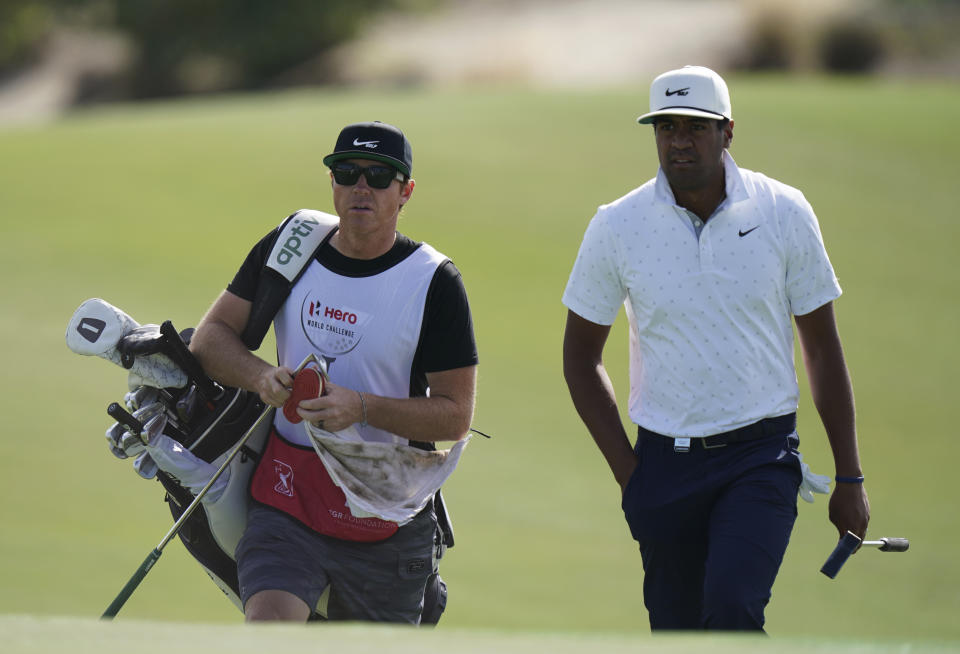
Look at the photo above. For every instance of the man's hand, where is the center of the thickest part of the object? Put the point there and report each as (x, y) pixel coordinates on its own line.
(850, 509)
(274, 385)
(338, 408)
(624, 472)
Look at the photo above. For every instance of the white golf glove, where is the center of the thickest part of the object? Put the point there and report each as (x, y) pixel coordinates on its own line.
(811, 483)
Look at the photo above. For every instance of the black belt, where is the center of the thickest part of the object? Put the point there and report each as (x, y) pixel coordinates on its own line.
(766, 427)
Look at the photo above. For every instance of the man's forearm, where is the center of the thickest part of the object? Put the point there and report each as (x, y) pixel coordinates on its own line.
(830, 386)
(427, 419)
(444, 415)
(832, 394)
(595, 401)
(225, 358)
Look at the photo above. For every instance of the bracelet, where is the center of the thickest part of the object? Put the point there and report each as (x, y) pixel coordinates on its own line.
(849, 480)
(363, 410)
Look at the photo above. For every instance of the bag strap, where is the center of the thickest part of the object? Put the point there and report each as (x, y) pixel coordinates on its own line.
(300, 236)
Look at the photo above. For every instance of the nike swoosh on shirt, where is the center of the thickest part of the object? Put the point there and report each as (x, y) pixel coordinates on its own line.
(744, 233)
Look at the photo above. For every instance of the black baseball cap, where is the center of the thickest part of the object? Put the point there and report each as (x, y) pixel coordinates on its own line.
(373, 140)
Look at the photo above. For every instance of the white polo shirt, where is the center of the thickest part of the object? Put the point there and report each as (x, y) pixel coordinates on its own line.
(711, 337)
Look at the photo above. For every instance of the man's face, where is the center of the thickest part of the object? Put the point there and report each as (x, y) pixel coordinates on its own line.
(365, 207)
(691, 150)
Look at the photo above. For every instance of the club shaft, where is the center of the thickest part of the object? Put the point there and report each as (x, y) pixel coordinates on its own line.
(889, 544)
(151, 559)
(216, 475)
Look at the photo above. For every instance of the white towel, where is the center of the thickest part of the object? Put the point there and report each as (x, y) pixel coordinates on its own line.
(389, 481)
(190, 470)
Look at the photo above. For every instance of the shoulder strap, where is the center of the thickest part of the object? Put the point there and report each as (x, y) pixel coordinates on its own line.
(300, 236)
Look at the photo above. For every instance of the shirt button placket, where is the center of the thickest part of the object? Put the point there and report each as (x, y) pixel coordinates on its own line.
(706, 249)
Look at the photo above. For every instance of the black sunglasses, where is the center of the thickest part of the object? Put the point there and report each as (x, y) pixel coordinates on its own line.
(377, 176)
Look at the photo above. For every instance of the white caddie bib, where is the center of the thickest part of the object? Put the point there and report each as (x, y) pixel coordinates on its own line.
(366, 329)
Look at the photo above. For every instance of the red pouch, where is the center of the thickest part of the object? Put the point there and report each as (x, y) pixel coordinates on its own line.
(307, 385)
(292, 478)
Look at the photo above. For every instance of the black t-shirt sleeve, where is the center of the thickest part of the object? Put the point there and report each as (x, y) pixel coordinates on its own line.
(244, 283)
(447, 339)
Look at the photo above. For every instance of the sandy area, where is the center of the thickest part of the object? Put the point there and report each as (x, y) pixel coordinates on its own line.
(563, 42)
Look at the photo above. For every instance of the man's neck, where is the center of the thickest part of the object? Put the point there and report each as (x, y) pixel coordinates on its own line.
(363, 246)
(702, 202)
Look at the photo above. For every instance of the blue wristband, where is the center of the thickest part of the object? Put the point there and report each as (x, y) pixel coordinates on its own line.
(849, 480)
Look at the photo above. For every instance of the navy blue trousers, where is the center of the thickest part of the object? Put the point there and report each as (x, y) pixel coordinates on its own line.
(713, 525)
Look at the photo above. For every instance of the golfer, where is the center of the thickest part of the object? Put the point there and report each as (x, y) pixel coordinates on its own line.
(390, 318)
(711, 262)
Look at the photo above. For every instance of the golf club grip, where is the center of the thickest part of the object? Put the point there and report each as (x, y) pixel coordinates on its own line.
(184, 358)
(894, 545)
(840, 554)
(122, 416)
(131, 586)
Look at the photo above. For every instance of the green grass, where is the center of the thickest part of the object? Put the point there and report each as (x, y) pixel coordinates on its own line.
(34, 635)
(153, 207)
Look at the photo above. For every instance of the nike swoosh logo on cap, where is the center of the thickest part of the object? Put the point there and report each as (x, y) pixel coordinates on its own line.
(682, 91)
(369, 144)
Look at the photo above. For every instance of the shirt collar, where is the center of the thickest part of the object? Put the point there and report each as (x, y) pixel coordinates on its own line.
(736, 190)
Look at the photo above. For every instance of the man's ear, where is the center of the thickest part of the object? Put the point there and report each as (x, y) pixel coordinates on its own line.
(728, 134)
(407, 191)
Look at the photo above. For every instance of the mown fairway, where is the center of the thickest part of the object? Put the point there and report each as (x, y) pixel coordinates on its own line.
(153, 207)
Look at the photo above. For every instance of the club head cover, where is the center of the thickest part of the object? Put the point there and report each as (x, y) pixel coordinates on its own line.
(307, 385)
(96, 328)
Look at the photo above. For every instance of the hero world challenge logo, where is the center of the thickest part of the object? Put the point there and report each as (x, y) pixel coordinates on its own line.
(333, 330)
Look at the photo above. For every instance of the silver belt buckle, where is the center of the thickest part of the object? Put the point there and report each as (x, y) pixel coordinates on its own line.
(681, 444)
(712, 447)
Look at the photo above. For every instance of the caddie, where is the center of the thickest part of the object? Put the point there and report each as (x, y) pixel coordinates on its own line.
(713, 263)
(332, 509)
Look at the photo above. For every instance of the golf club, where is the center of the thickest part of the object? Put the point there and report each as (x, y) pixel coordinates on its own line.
(178, 351)
(154, 555)
(119, 414)
(848, 545)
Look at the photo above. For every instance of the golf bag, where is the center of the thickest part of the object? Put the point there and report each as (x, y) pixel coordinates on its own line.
(179, 427)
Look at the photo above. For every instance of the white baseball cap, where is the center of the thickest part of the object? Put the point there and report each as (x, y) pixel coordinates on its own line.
(689, 91)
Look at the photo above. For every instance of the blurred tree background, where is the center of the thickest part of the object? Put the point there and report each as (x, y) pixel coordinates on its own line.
(853, 37)
(105, 50)
(194, 46)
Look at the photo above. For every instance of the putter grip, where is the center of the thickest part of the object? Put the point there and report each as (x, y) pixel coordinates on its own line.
(840, 554)
(894, 545)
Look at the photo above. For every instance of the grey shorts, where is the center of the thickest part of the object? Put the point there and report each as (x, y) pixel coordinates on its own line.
(380, 582)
